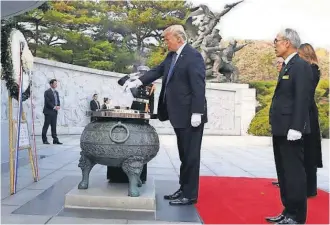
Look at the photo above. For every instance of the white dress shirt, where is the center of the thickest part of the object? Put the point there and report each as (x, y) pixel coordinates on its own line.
(178, 52)
(287, 60)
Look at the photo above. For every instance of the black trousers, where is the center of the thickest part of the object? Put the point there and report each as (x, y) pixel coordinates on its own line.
(189, 142)
(310, 165)
(289, 161)
(50, 119)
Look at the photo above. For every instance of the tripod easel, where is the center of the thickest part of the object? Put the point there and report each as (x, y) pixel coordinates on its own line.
(24, 143)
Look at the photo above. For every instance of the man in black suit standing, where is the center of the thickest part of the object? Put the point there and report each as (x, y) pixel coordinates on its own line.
(289, 120)
(182, 101)
(94, 105)
(51, 107)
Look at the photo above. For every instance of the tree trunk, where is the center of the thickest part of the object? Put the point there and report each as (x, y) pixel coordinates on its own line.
(36, 39)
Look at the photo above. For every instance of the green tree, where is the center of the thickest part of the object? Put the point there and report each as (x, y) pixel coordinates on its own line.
(33, 26)
(156, 56)
(140, 21)
(62, 31)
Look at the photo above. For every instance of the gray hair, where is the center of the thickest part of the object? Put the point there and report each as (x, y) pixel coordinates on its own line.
(292, 36)
(176, 30)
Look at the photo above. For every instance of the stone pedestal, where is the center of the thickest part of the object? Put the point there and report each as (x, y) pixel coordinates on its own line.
(112, 196)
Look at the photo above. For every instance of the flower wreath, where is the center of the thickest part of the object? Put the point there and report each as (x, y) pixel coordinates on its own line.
(9, 73)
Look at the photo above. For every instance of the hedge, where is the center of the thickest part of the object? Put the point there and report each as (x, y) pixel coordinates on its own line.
(259, 125)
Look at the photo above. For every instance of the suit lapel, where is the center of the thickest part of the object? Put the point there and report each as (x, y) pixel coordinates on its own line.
(285, 70)
(280, 75)
(178, 61)
(51, 93)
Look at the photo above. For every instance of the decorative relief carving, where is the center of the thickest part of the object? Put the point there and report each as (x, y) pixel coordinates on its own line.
(76, 88)
(221, 110)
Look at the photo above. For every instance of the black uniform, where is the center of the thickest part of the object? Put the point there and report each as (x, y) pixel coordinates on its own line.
(290, 110)
(312, 141)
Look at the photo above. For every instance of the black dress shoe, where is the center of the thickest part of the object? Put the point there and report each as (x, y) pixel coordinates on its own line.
(183, 201)
(288, 220)
(46, 142)
(310, 195)
(173, 196)
(57, 143)
(275, 219)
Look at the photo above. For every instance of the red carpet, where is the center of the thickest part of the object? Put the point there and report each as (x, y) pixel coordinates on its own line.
(240, 200)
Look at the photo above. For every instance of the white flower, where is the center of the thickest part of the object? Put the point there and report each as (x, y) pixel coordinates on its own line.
(27, 59)
(15, 40)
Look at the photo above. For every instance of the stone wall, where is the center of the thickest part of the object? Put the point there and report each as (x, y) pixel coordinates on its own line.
(230, 106)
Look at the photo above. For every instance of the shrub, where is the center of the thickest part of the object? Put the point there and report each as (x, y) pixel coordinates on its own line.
(259, 125)
(324, 119)
(264, 91)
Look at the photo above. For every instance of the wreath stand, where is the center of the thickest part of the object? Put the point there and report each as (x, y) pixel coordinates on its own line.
(19, 136)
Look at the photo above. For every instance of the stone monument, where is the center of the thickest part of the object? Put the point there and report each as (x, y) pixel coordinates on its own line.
(205, 37)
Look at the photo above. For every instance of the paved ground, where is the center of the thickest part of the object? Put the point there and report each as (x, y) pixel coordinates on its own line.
(221, 156)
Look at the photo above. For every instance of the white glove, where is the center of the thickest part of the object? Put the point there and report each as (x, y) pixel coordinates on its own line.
(132, 84)
(196, 119)
(293, 135)
(134, 77)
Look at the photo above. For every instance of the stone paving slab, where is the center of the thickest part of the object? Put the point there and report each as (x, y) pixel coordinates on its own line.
(74, 220)
(24, 219)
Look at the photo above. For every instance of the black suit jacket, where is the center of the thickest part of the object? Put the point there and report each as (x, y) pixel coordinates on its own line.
(94, 106)
(313, 140)
(291, 100)
(50, 102)
(185, 91)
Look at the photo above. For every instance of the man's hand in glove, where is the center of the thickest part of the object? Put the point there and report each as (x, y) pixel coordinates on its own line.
(293, 135)
(132, 84)
(134, 76)
(196, 119)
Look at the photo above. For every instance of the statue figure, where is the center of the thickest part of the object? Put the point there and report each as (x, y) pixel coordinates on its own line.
(210, 50)
(209, 21)
(206, 37)
(226, 67)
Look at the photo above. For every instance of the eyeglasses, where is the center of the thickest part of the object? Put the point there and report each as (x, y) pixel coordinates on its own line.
(278, 40)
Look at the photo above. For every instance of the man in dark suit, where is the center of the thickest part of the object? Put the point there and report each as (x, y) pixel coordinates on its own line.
(279, 63)
(51, 107)
(94, 105)
(182, 101)
(289, 120)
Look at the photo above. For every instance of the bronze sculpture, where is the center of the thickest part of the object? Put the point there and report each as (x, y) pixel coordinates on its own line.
(207, 38)
(121, 139)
